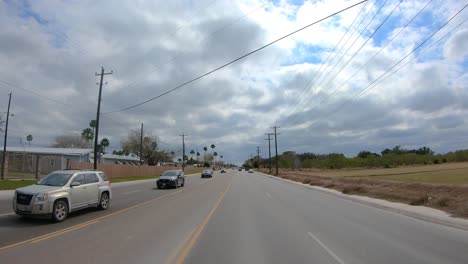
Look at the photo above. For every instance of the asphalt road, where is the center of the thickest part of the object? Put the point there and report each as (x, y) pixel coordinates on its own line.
(233, 218)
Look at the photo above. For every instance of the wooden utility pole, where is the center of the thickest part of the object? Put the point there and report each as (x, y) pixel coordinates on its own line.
(6, 137)
(141, 144)
(97, 116)
(183, 151)
(269, 148)
(276, 150)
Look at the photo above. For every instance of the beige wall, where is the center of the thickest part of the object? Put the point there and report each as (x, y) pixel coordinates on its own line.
(118, 170)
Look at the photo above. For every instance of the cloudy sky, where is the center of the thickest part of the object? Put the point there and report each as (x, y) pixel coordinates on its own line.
(372, 77)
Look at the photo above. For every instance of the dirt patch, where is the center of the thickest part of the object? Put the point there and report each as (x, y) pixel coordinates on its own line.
(452, 199)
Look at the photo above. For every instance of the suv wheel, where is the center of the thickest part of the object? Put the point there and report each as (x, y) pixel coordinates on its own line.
(183, 183)
(60, 211)
(104, 202)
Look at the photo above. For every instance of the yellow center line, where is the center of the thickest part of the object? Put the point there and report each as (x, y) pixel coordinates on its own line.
(192, 241)
(64, 231)
(179, 248)
(74, 227)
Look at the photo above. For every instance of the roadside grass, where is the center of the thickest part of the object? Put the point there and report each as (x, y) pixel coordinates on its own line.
(458, 176)
(451, 198)
(133, 178)
(13, 184)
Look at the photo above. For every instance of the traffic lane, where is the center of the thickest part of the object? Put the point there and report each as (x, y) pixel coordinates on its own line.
(14, 228)
(152, 233)
(249, 227)
(118, 190)
(364, 234)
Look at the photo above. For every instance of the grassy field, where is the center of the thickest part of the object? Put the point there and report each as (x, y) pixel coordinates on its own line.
(447, 173)
(13, 184)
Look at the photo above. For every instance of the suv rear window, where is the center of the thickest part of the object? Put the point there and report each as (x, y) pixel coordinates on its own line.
(91, 178)
(103, 176)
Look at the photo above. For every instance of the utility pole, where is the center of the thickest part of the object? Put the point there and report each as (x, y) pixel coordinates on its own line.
(141, 144)
(183, 151)
(6, 136)
(258, 157)
(276, 149)
(269, 148)
(97, 115)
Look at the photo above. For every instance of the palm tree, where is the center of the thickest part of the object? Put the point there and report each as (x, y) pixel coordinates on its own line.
(92, 125)
(29, 138)
(214, 159)
(104, 143)
(198, 154)
(87, 134)
(213, 147)
(191, 153)
(205, 149)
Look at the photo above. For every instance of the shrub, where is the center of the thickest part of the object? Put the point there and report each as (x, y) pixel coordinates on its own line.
(421, 200)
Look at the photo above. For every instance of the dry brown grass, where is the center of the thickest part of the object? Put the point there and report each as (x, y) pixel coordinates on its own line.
(449, 198)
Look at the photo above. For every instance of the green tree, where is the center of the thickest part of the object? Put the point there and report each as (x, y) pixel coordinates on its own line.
(29, 138)
(104, 144)
(87, 134)
(192, 152)
(150, 154)
(198, 154)
(205, 149)
(92, 125)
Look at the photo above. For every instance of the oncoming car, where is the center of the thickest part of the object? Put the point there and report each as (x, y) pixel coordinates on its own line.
(171, 178)
(207, 174)
(62, 192)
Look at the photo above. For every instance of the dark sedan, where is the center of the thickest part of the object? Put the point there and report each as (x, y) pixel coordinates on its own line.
(207, 174)
(171, 178)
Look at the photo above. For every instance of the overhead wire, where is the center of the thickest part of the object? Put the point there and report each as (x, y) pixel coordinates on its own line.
(343, 66)
(235, 60)
(198, 42)
(379, 80)
(371, 59)
(352, 57)
(326, 72)
(300, 98)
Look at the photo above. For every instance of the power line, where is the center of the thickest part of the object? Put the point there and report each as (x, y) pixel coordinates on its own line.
(304, 104)
(34, 93)
(378, 79)
(198, 42)
(237, 59)
(301, 98)
(351, 58)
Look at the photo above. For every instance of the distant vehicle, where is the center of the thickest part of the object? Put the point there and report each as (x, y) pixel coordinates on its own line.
(240, 169)
(171, 178)
(207, 174)
(62, 192)
(251, 171)
(223, 170)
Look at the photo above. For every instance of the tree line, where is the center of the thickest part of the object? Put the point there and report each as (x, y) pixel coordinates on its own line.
(387, 158)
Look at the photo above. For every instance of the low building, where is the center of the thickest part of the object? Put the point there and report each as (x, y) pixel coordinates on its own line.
(131, 159)
(22, 159)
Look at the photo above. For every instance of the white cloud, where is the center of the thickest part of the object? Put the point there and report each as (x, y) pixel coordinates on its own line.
(55, 48)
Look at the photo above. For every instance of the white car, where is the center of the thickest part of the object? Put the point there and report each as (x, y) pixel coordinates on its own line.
(62, 192)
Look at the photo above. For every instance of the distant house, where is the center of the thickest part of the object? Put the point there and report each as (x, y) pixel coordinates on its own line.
(131, 159)
(49, 159)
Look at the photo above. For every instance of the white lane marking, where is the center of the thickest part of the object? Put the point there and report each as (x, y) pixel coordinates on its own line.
(326, 248)
(268, 195)
(131, 192)
(7, 214)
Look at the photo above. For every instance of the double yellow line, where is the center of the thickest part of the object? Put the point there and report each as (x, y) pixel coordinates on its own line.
(77, 226)
(197, 234)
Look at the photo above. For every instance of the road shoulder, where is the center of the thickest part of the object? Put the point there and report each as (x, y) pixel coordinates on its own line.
(419, 212)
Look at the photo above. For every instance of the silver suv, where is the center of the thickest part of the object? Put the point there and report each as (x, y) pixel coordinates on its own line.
(62, 192)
